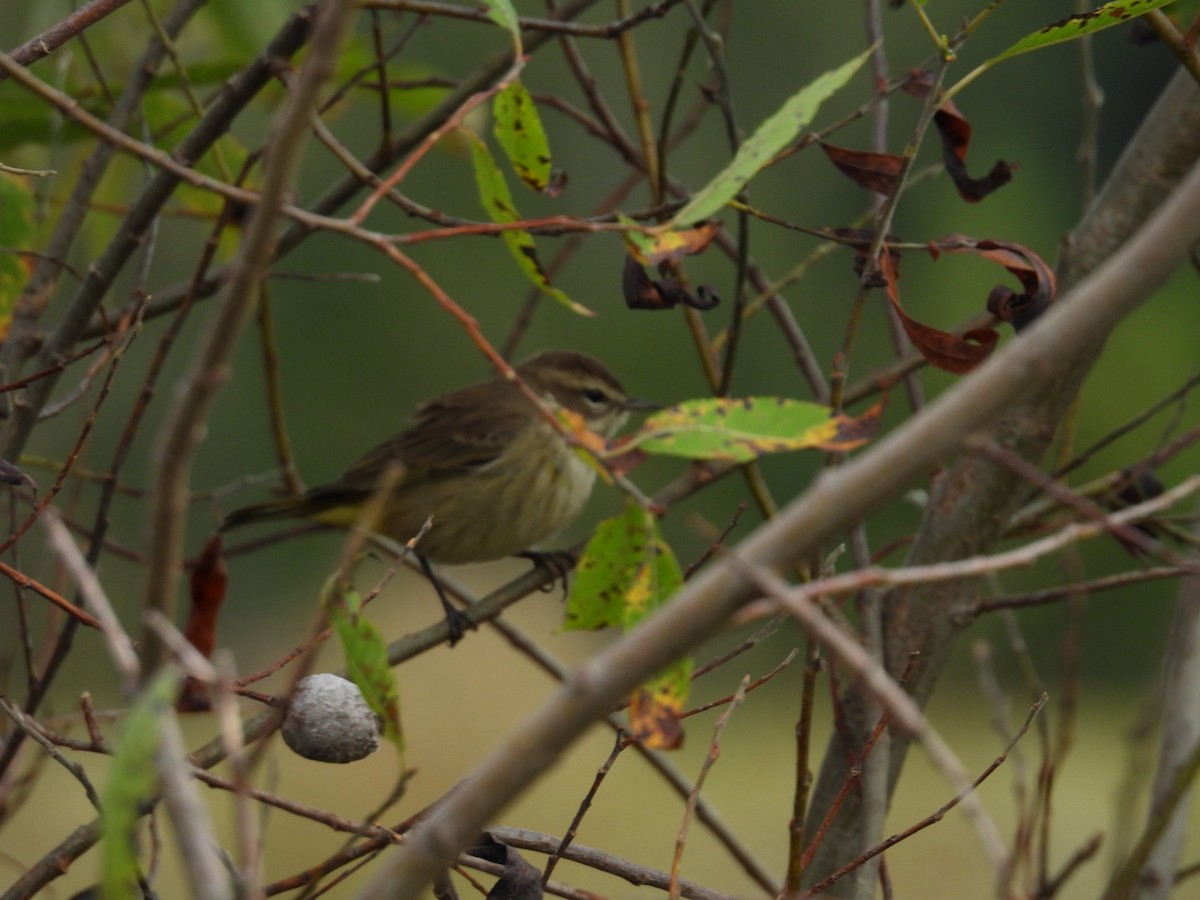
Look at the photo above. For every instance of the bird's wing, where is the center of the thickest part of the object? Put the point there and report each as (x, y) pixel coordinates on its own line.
(449, 435)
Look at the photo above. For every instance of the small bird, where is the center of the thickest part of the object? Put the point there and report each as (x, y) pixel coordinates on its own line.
(497, 478)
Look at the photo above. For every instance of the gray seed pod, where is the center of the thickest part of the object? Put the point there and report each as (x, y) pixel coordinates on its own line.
(329, 721)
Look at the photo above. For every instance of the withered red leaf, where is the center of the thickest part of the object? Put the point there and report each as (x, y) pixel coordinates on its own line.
(955, 132)
(854, 431)
(874, 171)
(643, 292)
(942, 349)
(1031, 270)
(208, 582)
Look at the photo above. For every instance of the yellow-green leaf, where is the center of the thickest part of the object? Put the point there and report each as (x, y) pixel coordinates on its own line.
(607, 569)
(740, 430)
(519, 130)
(498, 203)
(760, 148)
(1076, 26)
(672, 245)
(656, 580)
(132, 782)
(626, 572)
(367, 664)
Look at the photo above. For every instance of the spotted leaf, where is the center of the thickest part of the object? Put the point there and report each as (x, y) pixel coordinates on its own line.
(741, 430)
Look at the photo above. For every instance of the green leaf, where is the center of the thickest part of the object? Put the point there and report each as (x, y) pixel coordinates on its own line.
(673, 684)
(626, 572)
(132, 782)
(741, 430)
(519, 130)
(760, 148)
(502, 13)
(1115, 13)
(607, 569)
(498, 203)
(366, 662)
(657, 578)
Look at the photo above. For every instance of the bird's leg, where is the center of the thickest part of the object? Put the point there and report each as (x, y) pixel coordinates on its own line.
(560, 563)
(456, 620)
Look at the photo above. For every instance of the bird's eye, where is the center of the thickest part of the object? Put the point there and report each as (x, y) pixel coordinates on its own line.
(594, 395)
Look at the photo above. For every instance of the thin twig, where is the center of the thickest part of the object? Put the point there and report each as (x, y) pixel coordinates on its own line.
(35, 731)
(1169, 35)
(714, 750)
(622, 741)
(886, 692)
(931, 819)
(550, 26)
(56, 35)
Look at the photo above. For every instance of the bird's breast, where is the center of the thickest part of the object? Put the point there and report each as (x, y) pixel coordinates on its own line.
(519, 501)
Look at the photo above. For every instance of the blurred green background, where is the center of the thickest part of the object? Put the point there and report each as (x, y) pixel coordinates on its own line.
(356, 357)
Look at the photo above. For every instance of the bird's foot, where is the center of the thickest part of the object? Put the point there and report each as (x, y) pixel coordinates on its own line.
(559, 563)
(457, 622)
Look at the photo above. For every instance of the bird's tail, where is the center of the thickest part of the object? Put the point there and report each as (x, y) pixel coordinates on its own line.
(318, 505)
(286, 508)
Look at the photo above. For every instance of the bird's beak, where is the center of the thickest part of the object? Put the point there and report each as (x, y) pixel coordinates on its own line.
(637, 404)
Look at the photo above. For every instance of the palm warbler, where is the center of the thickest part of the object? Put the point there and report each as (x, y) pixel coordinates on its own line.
(497, 478)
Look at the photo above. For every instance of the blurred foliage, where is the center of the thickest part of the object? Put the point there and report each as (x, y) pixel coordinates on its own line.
(357, 353)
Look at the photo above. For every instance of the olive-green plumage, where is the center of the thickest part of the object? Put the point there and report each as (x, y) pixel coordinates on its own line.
(497, 478)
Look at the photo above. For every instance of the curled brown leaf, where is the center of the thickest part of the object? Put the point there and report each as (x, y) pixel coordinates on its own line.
(946, 351)
(1037, 278)
(955, 131)
(643, 292)
(874, 171)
